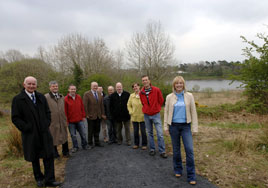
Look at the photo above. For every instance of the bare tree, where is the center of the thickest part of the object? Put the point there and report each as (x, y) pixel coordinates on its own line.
(151, 51)
(134, 51)
(13, 55)
(75, 49)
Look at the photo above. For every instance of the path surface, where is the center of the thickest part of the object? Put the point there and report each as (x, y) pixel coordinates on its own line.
(114, 166)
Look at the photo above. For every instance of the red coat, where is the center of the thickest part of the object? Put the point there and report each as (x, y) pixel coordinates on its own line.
(74, 109)
(154, 103)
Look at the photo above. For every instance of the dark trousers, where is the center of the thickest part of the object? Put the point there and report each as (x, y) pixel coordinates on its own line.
(137, 126)
(119, 127)
(93, 131)
(65, 149)
(111, 130)
(49, 170)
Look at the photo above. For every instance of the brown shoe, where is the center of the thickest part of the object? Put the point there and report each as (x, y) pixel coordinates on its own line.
(192, 182)
(144, 147)
(177, 175)
(135, 147)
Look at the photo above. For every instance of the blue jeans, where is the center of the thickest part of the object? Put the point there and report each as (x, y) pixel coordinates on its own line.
(156, 120)
(80, 127)
(178, 130)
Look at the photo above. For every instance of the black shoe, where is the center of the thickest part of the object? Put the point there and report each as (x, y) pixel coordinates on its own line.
(110, 142)
(56, 156)
(40, 183)
(152, 153)
(66, 155)
(53, 184)
(87, 147)
(119, 143)
(99, 145)
(163, 155)
(74, 150)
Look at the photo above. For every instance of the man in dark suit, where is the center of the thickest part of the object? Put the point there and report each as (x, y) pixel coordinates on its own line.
(31, 115)
(120, 114)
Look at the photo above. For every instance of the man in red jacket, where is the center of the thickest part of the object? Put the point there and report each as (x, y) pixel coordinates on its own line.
(75, 113)
(152, 100)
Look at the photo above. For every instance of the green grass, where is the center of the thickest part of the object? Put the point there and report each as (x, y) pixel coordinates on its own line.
(235, 125)
(217, 111)
(3, 127)
(14, 162)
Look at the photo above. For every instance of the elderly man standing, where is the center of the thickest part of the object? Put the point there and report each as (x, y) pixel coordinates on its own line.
(75, 113)
(31, 115)
(118, 107)
(110, 121)
(152, 100)
(93, 103)
(58, 127)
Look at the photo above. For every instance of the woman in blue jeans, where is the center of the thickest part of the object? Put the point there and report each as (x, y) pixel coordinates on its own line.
(180, 116)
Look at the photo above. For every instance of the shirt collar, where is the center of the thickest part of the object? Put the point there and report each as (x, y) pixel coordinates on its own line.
(29, 94)
(93, 92)
(180, 94)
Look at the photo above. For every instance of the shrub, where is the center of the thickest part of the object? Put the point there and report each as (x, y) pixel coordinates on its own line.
(101, 79)
(196, 88)
(253, 74)
(14, 142)
(208, 92)
(239, 145)
(165, 89)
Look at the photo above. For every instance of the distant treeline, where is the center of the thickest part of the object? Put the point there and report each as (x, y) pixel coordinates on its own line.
(209, 70)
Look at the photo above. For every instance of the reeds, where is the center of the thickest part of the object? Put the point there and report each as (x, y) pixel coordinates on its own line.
(14, 142)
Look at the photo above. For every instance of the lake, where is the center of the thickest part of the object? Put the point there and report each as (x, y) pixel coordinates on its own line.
(216, 85)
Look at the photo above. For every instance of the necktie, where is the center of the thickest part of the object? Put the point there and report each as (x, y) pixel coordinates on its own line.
(33, 98)
(96, 96)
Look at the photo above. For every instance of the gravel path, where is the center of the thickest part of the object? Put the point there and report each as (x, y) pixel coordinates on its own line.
(120, 166)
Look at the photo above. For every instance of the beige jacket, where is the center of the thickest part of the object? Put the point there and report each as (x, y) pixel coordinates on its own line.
(58, 126)
(191, 114)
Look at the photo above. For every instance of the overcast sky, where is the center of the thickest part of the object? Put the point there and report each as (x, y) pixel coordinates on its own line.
(200, 29)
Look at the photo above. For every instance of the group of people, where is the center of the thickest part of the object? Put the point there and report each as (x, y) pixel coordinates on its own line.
(43, 121)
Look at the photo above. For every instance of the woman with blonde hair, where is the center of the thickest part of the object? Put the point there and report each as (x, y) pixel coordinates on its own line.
(180, 116)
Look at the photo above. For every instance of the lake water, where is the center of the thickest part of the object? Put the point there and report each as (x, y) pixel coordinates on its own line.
(216, 85)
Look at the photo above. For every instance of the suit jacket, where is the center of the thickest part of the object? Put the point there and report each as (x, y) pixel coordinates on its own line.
(118, 106)
(106, 103)
(58, 126)
(94, 109)
(33, 121)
